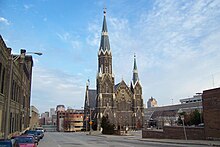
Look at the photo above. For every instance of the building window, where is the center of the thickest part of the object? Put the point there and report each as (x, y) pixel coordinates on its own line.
(13, 90)
(0, 72)
(3, 80)
(23, 102)
(10, 123)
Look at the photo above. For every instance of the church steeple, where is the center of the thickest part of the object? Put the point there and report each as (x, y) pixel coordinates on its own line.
(135, 71)
(104, 54)
(104, 45)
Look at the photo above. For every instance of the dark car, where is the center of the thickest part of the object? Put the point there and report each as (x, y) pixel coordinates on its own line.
(34, 134)
(40, 133)
(6, 143)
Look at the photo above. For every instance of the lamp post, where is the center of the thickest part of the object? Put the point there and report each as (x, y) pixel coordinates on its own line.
(12, 60)
(90, 118)
(181, 113)
(90, 121)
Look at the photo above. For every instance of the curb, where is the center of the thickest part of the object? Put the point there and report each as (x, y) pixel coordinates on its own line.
(188, 142)
(176, 142)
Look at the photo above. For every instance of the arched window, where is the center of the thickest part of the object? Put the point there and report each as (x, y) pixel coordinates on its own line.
(106, 88)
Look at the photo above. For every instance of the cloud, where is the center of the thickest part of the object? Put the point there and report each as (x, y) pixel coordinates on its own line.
(68, 38)
(64, 37)
(176, 43)
(4, 21)
(28, 6)
(94, 34)
(56, 87)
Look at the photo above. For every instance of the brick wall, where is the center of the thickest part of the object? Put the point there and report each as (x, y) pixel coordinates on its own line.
(211, 113)
(192, 133)
(153, 134)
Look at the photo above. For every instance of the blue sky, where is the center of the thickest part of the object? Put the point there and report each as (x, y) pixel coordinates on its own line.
(176, 43)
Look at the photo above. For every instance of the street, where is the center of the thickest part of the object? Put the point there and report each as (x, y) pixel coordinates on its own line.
(81, 139)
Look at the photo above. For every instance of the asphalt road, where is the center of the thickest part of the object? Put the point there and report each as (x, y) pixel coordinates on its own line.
(81, 139)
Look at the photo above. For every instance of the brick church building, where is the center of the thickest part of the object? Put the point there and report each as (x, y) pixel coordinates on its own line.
(122, 104)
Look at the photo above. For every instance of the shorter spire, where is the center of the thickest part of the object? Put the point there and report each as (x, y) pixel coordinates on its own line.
(135, 71)
(87, 83)
(135, 64)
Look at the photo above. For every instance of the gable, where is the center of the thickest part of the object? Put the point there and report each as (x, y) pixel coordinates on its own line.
(122, 90)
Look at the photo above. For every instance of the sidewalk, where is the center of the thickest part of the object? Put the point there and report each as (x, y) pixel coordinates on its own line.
(137, 136)
(178, 141)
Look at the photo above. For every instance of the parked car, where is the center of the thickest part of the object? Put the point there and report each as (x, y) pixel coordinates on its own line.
(25, 141)
(40, 133)
(6, 143)
(34, 134)
(40, 128)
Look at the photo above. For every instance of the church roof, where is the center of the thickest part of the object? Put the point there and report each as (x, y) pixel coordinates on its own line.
(116, 86)
(104, 44)
(167, 113)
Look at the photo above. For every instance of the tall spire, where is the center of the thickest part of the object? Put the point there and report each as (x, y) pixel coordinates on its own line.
(135, 71)
(104, 45)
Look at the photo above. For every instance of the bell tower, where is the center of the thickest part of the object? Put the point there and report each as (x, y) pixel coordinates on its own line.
(105, 82)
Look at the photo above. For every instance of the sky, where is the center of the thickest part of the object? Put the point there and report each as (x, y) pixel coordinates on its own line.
(176, 43)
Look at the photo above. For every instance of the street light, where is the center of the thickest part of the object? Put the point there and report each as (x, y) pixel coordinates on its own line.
(181, 113)
(12, 60)
(90, 118)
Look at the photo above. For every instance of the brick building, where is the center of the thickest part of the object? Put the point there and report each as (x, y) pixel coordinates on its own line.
(211, 113)
(19, 101)
(5, 53)
(70, 120)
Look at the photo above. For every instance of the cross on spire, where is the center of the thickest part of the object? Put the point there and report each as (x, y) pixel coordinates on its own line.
(104, 10)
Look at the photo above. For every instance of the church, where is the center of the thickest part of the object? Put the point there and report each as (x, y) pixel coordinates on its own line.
(121, 103)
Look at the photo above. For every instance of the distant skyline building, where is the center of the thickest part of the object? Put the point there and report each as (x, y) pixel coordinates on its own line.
(152, 102)
(195, 98)
(45, 114)
(52, 112)
(60, 108)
